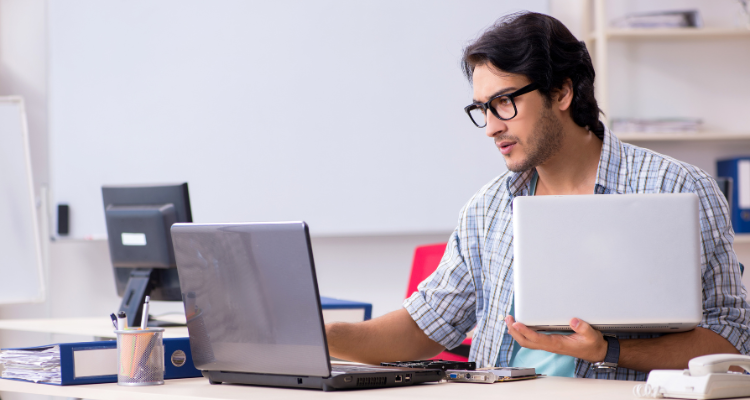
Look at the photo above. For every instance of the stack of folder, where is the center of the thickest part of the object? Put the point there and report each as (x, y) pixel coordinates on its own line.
(40, 364)
(86, 362)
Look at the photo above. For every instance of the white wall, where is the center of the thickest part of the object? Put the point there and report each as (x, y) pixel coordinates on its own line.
(345, 114)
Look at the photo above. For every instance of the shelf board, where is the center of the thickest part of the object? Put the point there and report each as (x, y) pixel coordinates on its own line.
(680, 137)
(673, 33)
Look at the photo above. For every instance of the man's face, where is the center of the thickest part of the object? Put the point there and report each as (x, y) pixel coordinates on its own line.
(534, 135)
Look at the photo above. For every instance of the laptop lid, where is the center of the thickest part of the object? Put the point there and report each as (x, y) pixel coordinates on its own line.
(619, 262)
(251, 298)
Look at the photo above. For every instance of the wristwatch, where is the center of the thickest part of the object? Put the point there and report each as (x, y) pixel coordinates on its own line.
(613, 356)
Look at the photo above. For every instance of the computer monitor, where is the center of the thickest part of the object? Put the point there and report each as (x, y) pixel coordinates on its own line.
(138, 222)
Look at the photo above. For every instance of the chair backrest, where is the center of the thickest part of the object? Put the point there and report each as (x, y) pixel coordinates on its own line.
(426, 260)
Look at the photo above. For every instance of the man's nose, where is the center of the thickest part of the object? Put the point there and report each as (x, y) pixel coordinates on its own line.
(494, 126)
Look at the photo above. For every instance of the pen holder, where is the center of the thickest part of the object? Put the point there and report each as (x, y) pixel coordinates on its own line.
(140, 357)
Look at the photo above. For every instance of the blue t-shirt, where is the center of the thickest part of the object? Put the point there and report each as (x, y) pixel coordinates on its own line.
(544, 362)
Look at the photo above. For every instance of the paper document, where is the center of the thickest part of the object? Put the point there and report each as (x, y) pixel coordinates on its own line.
(35, 365)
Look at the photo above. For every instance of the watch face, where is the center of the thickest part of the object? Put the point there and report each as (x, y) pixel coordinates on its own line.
(605, 366)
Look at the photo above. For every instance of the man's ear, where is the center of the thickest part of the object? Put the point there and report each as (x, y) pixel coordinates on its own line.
(563, 97)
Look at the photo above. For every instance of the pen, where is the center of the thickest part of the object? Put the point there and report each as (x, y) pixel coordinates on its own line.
(114, 319)
(144, 318)
(122, 321)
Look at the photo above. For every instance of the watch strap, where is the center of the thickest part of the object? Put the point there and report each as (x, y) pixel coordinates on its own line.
(612, 357)
(613, 350)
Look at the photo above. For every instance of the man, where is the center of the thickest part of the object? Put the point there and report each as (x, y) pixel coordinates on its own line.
(534, 96)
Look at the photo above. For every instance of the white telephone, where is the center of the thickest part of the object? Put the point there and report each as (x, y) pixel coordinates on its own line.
(708, 377)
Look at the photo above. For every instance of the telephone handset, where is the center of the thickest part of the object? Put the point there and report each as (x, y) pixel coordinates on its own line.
(707, 377)
(717, 363)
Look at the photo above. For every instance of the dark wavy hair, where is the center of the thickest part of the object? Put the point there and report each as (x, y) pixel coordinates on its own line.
(542, 49)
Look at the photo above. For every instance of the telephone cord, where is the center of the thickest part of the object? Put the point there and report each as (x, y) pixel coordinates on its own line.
(645, 390)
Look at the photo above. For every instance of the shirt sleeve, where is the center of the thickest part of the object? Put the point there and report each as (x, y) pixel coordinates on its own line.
(725, 308)
(444, 304)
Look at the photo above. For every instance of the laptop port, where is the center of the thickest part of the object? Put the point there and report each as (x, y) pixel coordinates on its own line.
(398, 378)
(407, 378)
(347, 379)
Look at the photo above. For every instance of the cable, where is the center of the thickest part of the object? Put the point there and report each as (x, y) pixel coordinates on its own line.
(646, 390)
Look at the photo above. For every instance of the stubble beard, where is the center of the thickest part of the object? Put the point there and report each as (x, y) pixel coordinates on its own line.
(545, 141)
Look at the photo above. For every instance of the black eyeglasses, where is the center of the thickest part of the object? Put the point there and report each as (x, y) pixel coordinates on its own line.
(502, 106)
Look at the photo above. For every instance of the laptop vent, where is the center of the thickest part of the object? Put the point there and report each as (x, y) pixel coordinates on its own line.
(607, 327)
(613, 327)
(371, 381)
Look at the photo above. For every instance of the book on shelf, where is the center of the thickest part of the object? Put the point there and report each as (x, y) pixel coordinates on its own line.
(656, 125)
(737, 170)
(661, 19)
(86, 362)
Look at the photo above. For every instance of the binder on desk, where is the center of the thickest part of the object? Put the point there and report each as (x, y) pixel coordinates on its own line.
(337, 310)
(87, 362)
(738, 171)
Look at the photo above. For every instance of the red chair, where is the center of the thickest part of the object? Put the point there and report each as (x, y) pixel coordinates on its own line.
(426, 260)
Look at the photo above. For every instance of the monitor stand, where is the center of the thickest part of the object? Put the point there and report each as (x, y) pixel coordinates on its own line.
(139, 286)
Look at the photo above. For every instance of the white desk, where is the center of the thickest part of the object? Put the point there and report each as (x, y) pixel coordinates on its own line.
(199, 388)
(98, 327)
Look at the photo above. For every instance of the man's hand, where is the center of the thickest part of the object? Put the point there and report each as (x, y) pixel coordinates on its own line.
(672, 351)
(586, 343)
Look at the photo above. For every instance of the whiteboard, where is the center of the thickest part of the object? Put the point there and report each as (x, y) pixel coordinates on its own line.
(345, 114)
(20, 246)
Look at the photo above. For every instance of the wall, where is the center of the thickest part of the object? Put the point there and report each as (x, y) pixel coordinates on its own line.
(287, 110)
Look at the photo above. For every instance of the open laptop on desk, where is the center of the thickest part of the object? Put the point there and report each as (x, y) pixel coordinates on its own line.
(253, 310)
(622, 263)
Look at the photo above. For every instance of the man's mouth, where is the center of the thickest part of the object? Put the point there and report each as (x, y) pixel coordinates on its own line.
(506, 146)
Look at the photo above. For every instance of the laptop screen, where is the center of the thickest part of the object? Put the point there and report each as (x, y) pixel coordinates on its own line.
(251, 298)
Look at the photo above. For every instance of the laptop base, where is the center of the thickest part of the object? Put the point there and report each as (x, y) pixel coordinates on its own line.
(339, 382)
(624, 328)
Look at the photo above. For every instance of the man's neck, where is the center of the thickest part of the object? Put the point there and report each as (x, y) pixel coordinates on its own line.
(573, 169)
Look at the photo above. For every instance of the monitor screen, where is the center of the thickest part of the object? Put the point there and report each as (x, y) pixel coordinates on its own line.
(138, 222)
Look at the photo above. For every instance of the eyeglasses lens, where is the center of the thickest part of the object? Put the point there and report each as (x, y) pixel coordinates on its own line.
(504, 107)
(478, 116)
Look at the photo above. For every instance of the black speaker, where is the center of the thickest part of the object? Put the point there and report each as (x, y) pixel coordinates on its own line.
(63, 219)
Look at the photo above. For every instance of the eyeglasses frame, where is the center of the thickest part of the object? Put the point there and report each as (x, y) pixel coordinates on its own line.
(485, 106)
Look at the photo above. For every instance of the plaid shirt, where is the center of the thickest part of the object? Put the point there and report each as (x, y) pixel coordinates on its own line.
(474, 283)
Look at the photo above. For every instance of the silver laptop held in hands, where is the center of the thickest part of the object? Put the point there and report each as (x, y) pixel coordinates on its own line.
(622, 263)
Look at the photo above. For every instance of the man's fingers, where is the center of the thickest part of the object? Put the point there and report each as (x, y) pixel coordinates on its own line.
(591, 341)
(526, 337)
(583, 328)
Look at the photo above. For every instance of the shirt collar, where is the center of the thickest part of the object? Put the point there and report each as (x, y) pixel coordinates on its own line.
(518, 184)
(611, 175)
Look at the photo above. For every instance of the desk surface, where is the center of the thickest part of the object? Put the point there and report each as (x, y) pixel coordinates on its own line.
(99, 327)
(199, 388)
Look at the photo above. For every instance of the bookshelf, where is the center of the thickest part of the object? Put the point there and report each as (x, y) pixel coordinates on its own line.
(672, 33)
(599, 37)
(679, 137)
